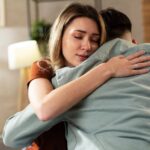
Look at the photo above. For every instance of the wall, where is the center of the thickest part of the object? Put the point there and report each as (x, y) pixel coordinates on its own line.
(16, 10)
(51, 10)
(16, 13)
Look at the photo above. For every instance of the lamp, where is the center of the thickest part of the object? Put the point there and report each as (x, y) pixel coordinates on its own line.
(20, 56)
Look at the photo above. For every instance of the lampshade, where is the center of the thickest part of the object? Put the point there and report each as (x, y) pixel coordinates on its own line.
(23, 54)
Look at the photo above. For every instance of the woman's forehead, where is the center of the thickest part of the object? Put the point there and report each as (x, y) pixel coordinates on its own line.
(83, 24)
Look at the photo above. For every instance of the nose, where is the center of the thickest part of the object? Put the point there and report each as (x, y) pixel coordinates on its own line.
(86, 45)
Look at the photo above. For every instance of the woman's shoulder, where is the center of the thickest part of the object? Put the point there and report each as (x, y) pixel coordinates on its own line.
(41, 69)
(42, 65)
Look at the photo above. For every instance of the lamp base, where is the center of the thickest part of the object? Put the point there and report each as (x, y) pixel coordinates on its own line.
(23, 96)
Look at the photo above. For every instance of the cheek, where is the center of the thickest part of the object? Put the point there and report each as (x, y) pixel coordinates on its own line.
(65, 47)
(66, 43)
(67, 50)
(94, 48)
(69, 46)
(69, 54)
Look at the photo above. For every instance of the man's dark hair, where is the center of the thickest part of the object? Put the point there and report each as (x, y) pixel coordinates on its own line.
(116, 23)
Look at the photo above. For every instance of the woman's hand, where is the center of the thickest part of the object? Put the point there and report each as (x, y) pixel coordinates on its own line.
(134, 64)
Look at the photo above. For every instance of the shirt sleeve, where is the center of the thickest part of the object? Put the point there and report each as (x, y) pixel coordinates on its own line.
(22, 128)
(40, 69)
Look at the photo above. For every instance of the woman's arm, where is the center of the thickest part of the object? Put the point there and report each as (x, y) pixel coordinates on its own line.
(49, 103)
(24, 127)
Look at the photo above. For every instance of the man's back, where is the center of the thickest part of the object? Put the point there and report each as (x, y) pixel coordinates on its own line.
(114, 116)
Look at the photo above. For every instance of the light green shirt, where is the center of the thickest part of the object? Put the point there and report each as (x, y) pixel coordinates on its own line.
(116, 116)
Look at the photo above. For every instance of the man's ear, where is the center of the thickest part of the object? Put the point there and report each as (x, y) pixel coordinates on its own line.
(134, 41)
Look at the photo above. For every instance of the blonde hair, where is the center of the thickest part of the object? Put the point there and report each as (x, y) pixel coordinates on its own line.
(63, 20)
(103, 30)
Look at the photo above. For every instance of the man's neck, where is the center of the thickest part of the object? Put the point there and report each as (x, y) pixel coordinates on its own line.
(127, 36)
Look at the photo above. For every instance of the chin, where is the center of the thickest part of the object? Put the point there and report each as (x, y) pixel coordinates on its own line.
(74, 64)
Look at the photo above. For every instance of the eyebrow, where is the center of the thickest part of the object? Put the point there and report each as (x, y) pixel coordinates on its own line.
(82, 31)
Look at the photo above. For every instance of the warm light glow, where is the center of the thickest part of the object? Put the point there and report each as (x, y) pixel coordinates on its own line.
(2, 13)
(23, 54)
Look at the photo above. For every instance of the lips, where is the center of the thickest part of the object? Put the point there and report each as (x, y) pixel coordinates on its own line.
(82, 57)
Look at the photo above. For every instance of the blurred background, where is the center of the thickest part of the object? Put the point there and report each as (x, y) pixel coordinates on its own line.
(22, 20)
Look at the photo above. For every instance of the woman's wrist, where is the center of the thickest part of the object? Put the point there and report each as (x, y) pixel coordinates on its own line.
(107, 71)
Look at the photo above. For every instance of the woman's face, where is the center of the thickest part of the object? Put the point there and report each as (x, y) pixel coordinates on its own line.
(81, 38)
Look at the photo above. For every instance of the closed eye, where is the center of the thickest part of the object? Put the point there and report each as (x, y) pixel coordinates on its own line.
(95, 39)
(78, 37)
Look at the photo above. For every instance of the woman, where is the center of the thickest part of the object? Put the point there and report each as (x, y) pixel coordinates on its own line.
(74, 37)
